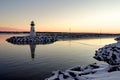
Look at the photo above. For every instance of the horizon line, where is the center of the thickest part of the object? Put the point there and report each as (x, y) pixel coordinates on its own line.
(54, 32)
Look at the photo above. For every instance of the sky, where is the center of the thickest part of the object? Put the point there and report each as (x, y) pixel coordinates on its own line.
(61, 15)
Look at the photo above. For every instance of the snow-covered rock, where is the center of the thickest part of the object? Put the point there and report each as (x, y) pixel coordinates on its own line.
(109, 53)
(29, 39)
(90, 72)
(117, 39)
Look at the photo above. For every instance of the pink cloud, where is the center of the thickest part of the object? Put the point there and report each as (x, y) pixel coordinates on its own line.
(11, 29)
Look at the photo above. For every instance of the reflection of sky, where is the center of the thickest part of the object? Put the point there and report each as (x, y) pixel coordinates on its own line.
(95, 42)
(60, 15)
(3, 37)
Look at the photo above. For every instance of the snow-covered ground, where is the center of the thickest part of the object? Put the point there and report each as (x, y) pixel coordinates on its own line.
(106, 76)
(90, 72)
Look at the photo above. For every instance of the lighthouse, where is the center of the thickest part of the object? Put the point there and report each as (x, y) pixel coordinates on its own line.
(32, 30)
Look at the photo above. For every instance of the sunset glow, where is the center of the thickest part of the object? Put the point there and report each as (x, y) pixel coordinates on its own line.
(61, 15)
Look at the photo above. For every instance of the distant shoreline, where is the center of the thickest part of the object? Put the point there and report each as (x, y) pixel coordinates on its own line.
(27, 32)
(67, 35)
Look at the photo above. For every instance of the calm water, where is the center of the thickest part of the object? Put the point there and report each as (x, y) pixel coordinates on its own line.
(36, 62)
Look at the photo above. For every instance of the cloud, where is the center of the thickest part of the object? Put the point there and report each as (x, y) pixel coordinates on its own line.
(10, 29)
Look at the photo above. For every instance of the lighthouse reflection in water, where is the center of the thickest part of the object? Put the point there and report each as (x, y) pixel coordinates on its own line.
(32, 49)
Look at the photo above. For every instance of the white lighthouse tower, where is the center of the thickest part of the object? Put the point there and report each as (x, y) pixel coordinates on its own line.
(32, 30)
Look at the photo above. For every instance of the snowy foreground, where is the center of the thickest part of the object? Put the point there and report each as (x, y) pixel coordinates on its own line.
(90, 72)
(110, 71)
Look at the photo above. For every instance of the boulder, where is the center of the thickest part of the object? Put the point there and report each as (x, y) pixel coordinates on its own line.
(109, 53)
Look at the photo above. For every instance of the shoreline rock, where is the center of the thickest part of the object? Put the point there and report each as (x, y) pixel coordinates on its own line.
(109, 53)
(31, 40)
(88, 72)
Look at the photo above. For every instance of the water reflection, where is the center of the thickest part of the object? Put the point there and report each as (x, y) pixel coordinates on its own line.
(38, 60)
(32, 49)
(32, 45)
(98, 42)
